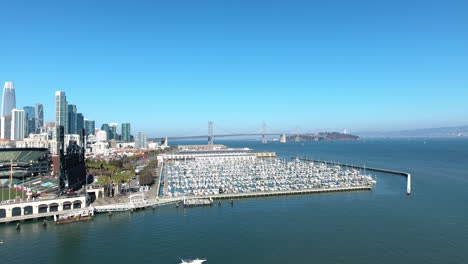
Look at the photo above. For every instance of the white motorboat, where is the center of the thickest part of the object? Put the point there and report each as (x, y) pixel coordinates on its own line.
(192, 261)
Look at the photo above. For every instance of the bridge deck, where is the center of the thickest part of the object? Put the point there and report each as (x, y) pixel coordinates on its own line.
(216, 136)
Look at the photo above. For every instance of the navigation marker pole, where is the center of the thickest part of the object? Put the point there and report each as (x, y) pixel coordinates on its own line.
(408, 186)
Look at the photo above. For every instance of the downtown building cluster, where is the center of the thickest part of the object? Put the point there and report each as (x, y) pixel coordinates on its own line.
(25, 128)
(17, 123)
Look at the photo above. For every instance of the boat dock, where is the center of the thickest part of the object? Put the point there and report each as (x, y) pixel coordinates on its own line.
(402, 173)
(202, 200)
(288, 192)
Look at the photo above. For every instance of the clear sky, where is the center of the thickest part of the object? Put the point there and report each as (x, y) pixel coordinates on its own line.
(169, 67)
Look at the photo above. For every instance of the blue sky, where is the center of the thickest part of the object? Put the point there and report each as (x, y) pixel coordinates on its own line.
(169, 67)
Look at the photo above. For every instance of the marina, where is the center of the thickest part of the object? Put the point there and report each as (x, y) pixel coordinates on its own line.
(243, 177)
(402, 173)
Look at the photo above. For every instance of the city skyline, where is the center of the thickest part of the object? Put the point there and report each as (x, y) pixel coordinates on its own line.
(372, 68)
(65, 114)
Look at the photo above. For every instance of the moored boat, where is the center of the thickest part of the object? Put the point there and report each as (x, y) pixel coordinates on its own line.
(82, 215)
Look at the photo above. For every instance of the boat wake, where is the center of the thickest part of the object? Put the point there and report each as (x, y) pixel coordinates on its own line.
(192, 261)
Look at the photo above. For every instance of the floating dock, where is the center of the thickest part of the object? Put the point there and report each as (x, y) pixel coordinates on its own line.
(288, 192)
(198, 202)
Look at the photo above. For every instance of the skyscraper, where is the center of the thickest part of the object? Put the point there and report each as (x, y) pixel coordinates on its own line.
(61, 110)
(39, 116)
(90, 125)
(72, 119)
(8, 99)
(30, 116)
(126, 132)
(106, 128)
(79, 123)
(8, 104)
(113, 130)
(6, 127)
(140, 140)
(18, 124)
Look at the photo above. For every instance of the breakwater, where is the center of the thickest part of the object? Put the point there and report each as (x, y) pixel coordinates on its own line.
(401, 173)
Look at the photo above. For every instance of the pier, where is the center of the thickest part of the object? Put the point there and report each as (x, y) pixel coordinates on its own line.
(122, 207)
(402, 173)
(25, 210)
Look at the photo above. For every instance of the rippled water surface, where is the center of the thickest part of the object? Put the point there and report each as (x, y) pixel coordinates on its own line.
(381, 226)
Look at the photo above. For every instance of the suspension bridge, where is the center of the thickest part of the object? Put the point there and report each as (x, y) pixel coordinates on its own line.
(210, 135)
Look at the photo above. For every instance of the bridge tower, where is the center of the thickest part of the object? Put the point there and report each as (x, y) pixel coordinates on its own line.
(298, 137)
(283, 138)
(210, 133)
(264, 129)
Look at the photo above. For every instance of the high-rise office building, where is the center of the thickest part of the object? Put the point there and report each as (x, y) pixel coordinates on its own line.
(8, 104)
(90, 126)
(39, 116)
(61, 110)
(106, 128)
(30, 116)
(6, 127)
(141, 140)
(29, 112)
(18, 124)
(101, 135)
(50, 129)
(8, 99)
(113, 130)
(126, 132)
(79, 123)
(72, 119)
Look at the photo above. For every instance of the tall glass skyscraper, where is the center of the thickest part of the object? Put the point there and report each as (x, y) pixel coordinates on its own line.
(8, 104)
(90, 125)
(8, 99)
(72, 119)
(113, 131)
(39, 116)
(30, 116)
(79, 123)
(18, 124)
(6, 127)
(61, 110)
(126, 132)
(141, 140)
(106, 128)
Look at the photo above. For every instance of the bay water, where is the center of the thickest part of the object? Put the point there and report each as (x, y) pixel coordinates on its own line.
(379, 226)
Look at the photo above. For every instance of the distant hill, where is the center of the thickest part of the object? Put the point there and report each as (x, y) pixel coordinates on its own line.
(322, 136)
(460, 131)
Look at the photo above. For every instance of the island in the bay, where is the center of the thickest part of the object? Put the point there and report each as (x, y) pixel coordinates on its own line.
(322, 136)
